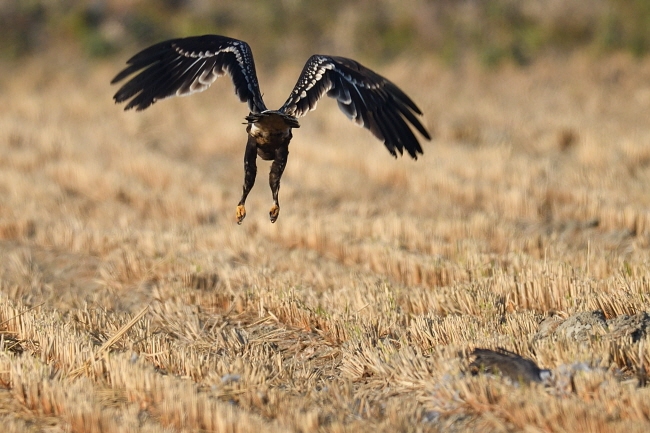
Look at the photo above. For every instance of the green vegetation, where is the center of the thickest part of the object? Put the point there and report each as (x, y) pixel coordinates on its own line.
(493, 31)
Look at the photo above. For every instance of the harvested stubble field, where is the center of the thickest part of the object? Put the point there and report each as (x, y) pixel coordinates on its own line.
(355, 311)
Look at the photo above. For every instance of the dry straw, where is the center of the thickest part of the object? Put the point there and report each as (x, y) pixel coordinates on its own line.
(130, 301)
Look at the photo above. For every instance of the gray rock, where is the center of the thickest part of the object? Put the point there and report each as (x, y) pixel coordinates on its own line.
(636, 326)
(588, 325)
(583, 326)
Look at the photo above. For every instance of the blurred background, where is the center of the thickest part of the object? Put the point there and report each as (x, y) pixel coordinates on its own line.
(493, 32)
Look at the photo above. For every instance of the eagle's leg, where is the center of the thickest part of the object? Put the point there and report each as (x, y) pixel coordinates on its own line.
(250, 171)
(277, 168)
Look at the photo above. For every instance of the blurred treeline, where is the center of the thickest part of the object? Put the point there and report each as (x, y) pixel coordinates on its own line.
(495, 31)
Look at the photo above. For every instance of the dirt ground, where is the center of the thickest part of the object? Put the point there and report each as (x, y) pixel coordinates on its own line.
(131, 300)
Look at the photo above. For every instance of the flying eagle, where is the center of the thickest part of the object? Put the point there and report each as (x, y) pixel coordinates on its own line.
(180, 67)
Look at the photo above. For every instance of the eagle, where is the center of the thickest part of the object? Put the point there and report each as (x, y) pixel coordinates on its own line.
(183, 66)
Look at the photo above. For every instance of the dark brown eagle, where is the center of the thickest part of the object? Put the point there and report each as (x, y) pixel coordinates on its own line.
(180, 67)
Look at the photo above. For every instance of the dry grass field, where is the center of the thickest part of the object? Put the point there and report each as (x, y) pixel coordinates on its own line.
(130, 300)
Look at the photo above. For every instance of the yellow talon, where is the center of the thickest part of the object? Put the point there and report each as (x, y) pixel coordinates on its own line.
(275, 211)
(241, 213)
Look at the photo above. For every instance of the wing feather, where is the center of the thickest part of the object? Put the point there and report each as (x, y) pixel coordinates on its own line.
(348, 109)
(364, 96)
(180, 67)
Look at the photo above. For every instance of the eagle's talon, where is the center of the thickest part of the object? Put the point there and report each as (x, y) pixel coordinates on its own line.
(274, 213)
(241, 213)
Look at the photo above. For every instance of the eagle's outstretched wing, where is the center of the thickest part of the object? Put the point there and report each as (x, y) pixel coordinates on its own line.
(180, 67)
(366, 97)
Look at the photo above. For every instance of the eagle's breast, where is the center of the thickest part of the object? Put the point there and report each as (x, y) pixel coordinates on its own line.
(270, 128)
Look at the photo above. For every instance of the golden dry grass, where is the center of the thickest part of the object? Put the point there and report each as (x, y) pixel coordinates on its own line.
(353, 311)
